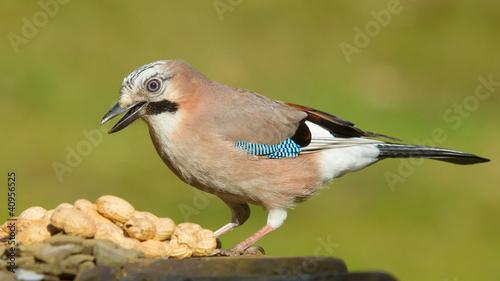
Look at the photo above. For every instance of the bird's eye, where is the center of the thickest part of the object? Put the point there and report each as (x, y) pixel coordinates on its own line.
(153, 85)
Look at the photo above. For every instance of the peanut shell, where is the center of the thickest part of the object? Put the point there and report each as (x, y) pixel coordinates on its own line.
(64, 205)
(144, 214)
(184, 237)
(74, 222)
(167, 246)
(164, 228)
(189, 227)
(88, 208)
(140, 228)
(179, 251)
(33, 234)
(153, 249)
(205, 243)
(115, 233)
(115, 208)
(79, 224)
(33, 213)
(58, 218)
(48, 214)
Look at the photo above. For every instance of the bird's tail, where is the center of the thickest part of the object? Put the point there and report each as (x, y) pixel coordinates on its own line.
(394, 150)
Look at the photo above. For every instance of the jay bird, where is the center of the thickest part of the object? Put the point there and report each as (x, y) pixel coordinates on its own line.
(246, 148)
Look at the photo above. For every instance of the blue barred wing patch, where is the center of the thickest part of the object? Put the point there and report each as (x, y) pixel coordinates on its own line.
(288, 148)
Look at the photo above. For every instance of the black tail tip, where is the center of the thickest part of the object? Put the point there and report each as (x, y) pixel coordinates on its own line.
(396, 150)
(464, 160)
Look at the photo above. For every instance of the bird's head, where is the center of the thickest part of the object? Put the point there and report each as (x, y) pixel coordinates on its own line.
(148, 90)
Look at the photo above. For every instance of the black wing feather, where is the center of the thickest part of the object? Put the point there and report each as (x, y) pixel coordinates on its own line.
(339, 127)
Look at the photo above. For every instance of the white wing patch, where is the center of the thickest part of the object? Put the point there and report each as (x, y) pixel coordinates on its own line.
(322, 139)
(340, 155)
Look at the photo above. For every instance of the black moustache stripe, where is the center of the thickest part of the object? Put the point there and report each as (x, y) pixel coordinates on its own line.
(158, 107)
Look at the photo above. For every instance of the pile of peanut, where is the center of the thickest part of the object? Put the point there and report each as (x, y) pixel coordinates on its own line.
(115, 219)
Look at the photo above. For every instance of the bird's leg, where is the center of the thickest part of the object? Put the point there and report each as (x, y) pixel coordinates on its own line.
(226, 228)
(275, 219)
(241, 247)
(239, 214)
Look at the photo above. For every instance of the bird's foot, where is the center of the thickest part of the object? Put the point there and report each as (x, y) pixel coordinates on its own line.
(239, 251)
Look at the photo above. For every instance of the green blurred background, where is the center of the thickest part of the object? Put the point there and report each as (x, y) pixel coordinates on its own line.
(439, 222)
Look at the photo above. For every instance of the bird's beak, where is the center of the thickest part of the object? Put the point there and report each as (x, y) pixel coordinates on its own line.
(137, 110)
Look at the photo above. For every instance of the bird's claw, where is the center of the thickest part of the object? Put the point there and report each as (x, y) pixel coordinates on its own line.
(254, 250)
